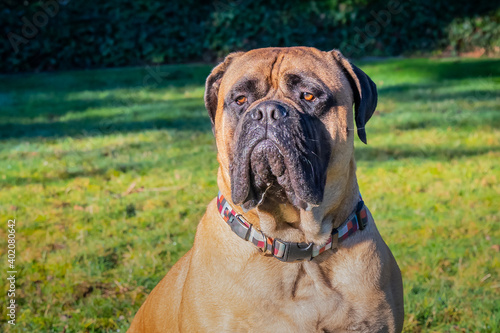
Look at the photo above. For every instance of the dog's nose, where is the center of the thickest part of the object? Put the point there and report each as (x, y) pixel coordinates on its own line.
(269, 112)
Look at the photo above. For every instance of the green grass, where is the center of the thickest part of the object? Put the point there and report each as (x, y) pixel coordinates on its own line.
(107, 179)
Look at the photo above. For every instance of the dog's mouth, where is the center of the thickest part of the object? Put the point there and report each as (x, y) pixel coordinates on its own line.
(284, 164)
(268, 174)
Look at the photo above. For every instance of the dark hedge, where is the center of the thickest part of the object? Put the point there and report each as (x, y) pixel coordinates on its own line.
(68, 34)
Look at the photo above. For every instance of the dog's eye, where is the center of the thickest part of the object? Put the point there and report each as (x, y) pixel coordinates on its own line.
(240, 100)
(308, 96)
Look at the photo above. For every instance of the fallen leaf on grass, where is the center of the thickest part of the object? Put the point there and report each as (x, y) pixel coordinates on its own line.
(129, 189)
(486, 277)
(164, 189)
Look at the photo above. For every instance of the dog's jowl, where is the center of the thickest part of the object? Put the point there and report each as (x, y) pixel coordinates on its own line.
(288, 244)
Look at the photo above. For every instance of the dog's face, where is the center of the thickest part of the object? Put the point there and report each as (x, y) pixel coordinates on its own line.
(282, 119)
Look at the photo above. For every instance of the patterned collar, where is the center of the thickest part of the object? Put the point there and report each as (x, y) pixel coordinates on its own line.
(290, 251)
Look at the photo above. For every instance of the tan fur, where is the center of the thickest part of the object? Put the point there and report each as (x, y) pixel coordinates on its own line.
(224, 284)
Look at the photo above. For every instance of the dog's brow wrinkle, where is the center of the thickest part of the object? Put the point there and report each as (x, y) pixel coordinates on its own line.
(272, 69)
(275, 70)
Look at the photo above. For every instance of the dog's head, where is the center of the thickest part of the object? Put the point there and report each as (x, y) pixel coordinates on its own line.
(282, 118)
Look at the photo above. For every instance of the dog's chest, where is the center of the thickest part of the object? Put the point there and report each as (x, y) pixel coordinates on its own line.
(304, 300)
(280, 307)
(325, 313)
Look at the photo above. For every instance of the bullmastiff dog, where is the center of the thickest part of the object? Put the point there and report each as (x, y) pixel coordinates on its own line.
(288, 245)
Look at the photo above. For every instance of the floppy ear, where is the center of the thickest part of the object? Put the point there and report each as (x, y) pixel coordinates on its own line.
(212, 85)
(365, 93)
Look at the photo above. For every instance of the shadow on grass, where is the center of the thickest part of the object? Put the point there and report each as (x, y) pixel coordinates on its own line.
(425, 92)
(68, 175)
(54, 95)
(183, 114)
(51, 108)
(108, 79)
(473, 107)
(364, 153)
(91, 170)
(451, 69)
(455, 119)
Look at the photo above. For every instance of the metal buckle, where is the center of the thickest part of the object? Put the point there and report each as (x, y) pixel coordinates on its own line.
(262, 237)
(295, 251)
(238, 226)
(269, 250)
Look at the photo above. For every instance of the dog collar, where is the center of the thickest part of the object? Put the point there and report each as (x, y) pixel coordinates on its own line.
(290, 251)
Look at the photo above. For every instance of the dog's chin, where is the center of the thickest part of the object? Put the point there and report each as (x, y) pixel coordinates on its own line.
(269, 179)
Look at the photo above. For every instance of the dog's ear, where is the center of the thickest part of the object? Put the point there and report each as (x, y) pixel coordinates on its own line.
(364, 90)
(213, 82)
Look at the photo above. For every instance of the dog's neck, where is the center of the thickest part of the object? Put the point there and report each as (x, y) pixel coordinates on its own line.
(292, 224)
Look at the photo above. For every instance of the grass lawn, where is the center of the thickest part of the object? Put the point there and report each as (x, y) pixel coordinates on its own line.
(108, 172)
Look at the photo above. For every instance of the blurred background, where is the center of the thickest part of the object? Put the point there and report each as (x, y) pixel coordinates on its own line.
(107, 159)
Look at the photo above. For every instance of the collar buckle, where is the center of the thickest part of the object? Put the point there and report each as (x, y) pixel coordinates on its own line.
(293, 251)
(239, 226)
